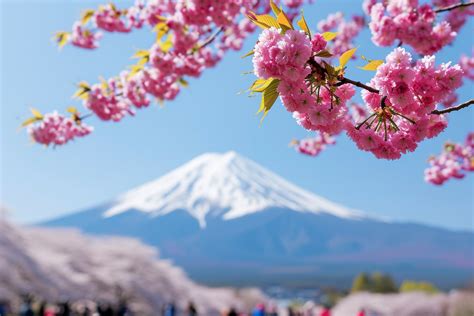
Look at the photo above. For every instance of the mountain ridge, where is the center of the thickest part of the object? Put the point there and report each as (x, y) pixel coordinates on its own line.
(227, 184)
(226, 220)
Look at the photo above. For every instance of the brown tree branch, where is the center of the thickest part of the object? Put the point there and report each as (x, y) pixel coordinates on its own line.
(359, 84)
(454, 6)
(211, 38)
(454, 108)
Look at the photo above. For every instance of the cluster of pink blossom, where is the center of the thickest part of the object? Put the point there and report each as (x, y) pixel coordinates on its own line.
(402, 110)
(346, 31)
(84, 38)
(185, 29)
(315, 145)
(455, 160)
(409, 23)
(56, 129)
(285, 57)
(282, 56)
(467, 65)
(103, 101)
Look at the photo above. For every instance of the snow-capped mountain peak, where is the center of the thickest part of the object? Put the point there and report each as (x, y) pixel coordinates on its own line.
(222, 185)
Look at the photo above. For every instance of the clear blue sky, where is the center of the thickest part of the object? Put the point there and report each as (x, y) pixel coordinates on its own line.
(39, 183)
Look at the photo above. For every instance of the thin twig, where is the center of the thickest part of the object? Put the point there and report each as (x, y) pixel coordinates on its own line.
(358, 84)
(454, 108)
(211, 38)
(454, 6)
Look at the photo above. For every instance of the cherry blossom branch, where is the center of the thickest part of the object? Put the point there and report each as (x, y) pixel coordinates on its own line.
(359, 84)
(211, 38)
(344, 80)
(455, 6)
(454, 108)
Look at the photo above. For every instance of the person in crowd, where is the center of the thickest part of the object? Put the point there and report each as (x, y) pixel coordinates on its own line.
(64, 309)
(25, 308)
(291, 312)
(192, 311)
(86, 311)
(123, 309)
(42, 308)
(232, 312)
(3, 309)
(362, 312)
(170, 310)
(259, 310)
(325, 312)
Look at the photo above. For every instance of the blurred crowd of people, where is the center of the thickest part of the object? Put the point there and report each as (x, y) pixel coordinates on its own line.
(29, 307)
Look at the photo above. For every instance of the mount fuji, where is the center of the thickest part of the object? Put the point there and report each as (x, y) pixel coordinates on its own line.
(225, 219)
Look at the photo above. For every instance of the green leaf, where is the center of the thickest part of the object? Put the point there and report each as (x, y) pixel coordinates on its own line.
(284, 21)
(324, 54)
(83, 91)
(86, 16)
(134, 69)
(36, 113)
(183, 82)
(329, 36)
(167, 45)
(276, 10)
(329, 69)
(141, 53)
(269, 96)
(72, 110)
(345, 57)
(372, 65)
(303, 25)
(62, 38)
(267, 20)
(161, 30)
(29, 121)
(261, 84)
(249, 54)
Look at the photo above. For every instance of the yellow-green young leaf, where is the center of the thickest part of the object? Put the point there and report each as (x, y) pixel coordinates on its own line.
(276, 10)
(161, 30)
(71, 110)
(168, 44)
(83, 85)
(141, 53)
(252, 17)
(303, 25)
(134, 69)
(103, 84)
(329, 36)
(83, 91)
(261, 84)
(284, 21)
(345, 57)
(143, 61)
(29, 121)
(62, 38)
(257, 83)
(86, 16)
(324, 54)
(249, 54)
(267, 20)
(372, 65)
(329, 69)
(183, 82)
(36, 113)
(269, 96)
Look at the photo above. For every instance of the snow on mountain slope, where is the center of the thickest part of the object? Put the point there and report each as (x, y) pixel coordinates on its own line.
(223, 185)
